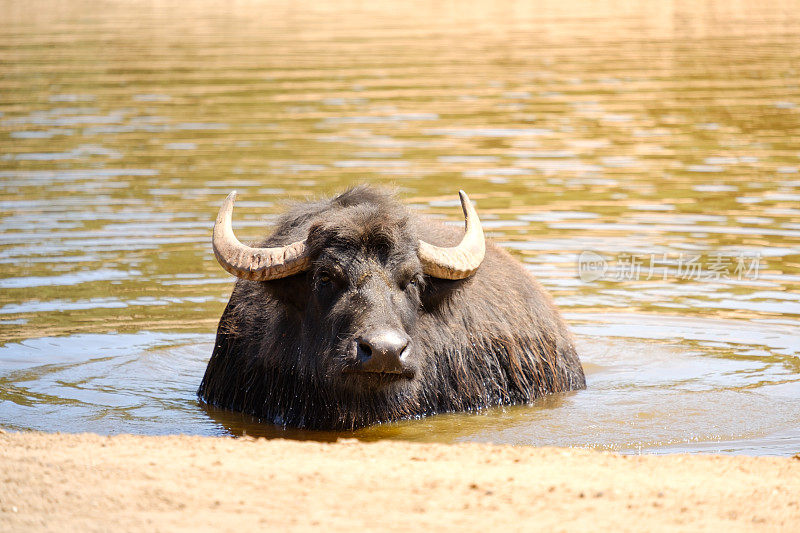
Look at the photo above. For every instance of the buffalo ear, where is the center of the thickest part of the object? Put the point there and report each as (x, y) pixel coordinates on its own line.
(293, 291)
(435, 291)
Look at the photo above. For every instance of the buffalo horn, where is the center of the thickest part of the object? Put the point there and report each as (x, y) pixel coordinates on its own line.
(460, 261)
(257, 264)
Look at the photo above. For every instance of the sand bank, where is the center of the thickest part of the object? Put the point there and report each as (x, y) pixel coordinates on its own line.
(88, 482)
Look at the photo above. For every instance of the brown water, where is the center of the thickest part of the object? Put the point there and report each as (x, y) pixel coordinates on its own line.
(663, 138)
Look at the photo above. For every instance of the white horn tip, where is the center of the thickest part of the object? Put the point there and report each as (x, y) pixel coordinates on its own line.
(464, 200)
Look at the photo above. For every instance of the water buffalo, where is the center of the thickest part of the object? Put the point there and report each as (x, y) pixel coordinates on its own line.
(357, 311)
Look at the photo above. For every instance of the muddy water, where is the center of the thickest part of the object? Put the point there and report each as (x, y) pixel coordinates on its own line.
(642, 161)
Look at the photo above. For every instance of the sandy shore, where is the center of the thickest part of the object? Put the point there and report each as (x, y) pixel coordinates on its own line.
(87, 482)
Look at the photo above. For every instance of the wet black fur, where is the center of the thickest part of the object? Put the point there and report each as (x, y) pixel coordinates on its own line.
(283, 347)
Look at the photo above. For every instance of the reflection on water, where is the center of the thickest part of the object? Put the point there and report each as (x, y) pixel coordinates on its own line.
(665, 130)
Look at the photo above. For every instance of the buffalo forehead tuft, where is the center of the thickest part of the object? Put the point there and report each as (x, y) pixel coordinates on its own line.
(382, 229)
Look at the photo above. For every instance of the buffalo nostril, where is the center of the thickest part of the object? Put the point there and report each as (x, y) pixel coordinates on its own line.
(364, 350)
(382, 351)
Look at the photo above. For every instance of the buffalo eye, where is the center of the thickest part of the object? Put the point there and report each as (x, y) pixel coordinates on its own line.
(413, 282)
(329, 278)
(325, 279)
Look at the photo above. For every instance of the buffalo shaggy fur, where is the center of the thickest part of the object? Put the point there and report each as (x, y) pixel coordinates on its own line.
(285, 348)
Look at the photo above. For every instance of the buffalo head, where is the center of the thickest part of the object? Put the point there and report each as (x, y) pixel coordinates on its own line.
(364, 272)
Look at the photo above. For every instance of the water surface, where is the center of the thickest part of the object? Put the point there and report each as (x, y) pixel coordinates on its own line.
(660, 140)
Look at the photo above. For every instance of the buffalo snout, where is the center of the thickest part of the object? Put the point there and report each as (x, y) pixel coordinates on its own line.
(383, 351)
